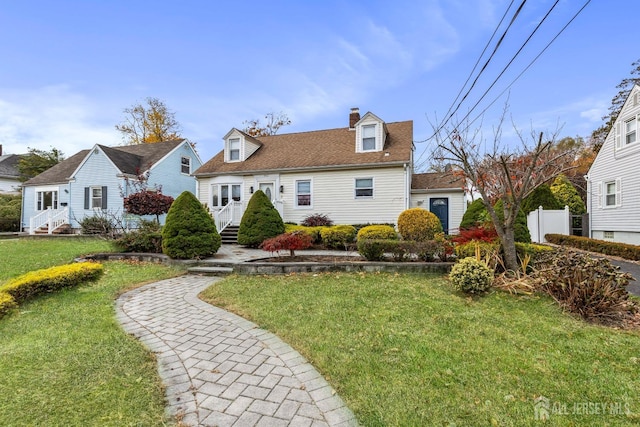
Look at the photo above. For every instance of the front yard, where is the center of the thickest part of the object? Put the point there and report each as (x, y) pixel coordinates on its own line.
(407, 350)
(64, 359)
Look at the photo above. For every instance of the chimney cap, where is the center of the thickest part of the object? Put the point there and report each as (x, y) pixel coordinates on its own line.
(355, 109)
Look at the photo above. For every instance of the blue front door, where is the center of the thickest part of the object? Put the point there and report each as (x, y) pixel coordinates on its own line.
(440, 207)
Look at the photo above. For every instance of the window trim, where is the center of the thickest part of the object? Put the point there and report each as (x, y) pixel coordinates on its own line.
(617, 194)
(232, 150)
(182, 165)
(92, 197)
(297, 194)
(55, 198)
(356, 188)
(363, 138)
(633, 132)
(218, 193)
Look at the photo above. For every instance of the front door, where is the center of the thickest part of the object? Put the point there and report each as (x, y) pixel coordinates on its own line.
(440, 207)
(267, 189)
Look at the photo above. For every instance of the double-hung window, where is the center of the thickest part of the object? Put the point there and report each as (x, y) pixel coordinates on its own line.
(364, 188)
(303, 193)
(368, 138)
(95, 197)
(630, 131)
(611, 189)
(185, 165)
(234, 149)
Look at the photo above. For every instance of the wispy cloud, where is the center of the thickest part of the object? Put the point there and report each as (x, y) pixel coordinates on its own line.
(52, 116)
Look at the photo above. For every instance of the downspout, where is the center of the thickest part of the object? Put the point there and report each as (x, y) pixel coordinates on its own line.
(589, 201)
(22, 218)
(407, 185)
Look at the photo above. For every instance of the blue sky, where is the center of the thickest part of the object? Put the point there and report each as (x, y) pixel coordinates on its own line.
(69, 68)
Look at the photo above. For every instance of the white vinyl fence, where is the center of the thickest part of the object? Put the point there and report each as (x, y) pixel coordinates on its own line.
(541, 222)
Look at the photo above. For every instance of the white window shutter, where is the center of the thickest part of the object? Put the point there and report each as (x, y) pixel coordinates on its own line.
(619, 192)
(599, 194)
(618, 132)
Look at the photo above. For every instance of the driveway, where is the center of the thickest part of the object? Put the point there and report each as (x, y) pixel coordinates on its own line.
(633, 269)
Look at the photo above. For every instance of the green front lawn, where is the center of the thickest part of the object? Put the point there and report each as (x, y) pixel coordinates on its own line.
(64, 359)
(407, 350)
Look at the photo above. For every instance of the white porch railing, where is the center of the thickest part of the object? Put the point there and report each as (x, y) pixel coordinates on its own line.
(51, 218)
(227, 215)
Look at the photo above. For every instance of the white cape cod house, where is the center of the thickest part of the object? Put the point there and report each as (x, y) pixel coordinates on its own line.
(613, 198)
(354, 175)
(94, 182)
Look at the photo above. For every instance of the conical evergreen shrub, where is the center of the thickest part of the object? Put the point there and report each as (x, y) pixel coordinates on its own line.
(189, 231)
(261, 221)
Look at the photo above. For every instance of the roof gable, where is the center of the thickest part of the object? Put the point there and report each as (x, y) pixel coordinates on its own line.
(9, 166)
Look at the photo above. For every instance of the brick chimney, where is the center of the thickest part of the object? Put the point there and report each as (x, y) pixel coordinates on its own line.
(354, 117)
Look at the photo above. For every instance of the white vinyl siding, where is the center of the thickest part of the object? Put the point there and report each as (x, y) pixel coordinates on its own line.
(615, 207)
(457, 205)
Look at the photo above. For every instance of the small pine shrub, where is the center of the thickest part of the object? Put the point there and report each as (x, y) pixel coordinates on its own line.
(50, 279)
(541, 196)
(338, 236)
(475, 215)
(260, 221)
(379, 232)
(317, 220)
(96, 225)
(590, 287)
(471, 276)
(189, 231)
(147, 238)
(287, 242)
(418, 224)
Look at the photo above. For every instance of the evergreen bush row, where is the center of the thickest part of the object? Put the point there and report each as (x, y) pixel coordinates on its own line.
(623, 250)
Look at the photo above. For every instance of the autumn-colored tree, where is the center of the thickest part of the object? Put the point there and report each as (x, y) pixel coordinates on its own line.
(149, 122)
(502, 172)
(599, 135)
(273, 123)
(38, 161)
(147, 202)
(567, 195)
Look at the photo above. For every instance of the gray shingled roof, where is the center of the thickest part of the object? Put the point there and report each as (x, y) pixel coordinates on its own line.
(129, 159)
(9, 166)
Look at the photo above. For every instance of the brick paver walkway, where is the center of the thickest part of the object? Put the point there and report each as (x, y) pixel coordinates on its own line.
(222, 370)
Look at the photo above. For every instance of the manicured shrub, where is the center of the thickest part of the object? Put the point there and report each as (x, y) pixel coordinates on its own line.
(10, 206)
(623, 250)
(399, 250)
(359, 227)
(520, 229)
(317, 220)
(476, 233)
(146, 238)
(50, 279)
(6, 303)
(429, 250)
(475, 215)
(380, 232)
(488, 250)
(471, 276)
(372, 249)
(418, 224)
(260, 221)
(314, 232)
(590, 287)
(541, 196)
(338, 236)
(287, 242)
(97, 224)
(189, 231)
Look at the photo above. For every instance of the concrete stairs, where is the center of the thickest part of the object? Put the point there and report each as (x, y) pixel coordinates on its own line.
(212, 268)
(230, 235)
(63, 229)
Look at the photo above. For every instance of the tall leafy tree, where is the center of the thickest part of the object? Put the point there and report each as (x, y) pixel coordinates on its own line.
(567, 195)
(272, 124)
(38, 161)
(624, 88)
(149, 122)
(500, 171)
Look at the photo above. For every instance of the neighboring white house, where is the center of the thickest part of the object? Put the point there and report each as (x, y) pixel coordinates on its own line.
(95, 181)
(354, 175)
(613, 198)
(9, 175)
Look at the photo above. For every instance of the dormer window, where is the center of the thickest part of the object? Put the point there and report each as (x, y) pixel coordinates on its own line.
(630, 128)
(368, 138)
(234, 149)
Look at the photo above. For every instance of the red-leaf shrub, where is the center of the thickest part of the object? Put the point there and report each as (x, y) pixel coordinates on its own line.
(287, 241)
(481, 234)
(147, 203)
(317, 220)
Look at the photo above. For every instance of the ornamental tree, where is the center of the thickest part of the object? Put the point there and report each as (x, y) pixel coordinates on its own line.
(147, 202)
(287, 242)
(502, 171)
